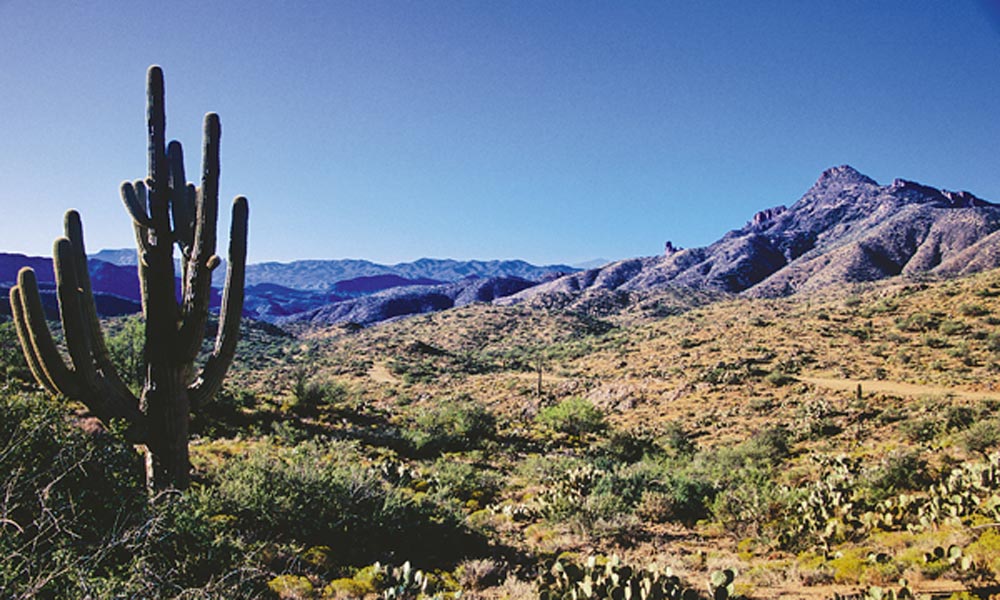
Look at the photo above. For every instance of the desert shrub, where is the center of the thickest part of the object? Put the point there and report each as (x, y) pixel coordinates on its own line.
(779, 378)
(950, 327)
(677, 440)
(185, 546)
(740, 482)
(749, 501)
(981, 436)
(599, 498)
(724, 373)
(957, 418)
(934, 341)
(814, 419)
(882, 306)
(414, 371)
(898, 472)
(228, 412)
(676, 495)
(626, 446)
(308, 394)
(470, 486)
(722, 465)
(12, 363)
(478, 574)
(452, 425)
(126, 344)
(76, 522)
(769, 446)
(917, 322)
(68, 498)
(572, 416)
(973, 310)
(592, 500)
(920, 430)
(321, 494)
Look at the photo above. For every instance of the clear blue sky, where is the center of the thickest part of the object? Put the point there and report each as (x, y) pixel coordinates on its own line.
(549, 131)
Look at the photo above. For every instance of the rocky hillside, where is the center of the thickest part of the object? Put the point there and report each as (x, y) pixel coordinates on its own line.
(410, 300)
(846, 228)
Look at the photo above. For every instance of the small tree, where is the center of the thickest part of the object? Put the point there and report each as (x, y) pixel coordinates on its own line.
(165, 210)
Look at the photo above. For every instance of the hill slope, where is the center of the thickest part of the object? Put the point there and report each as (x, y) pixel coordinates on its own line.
(410, 300)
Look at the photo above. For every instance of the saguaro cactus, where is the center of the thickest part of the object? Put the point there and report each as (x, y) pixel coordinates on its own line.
(165, 210)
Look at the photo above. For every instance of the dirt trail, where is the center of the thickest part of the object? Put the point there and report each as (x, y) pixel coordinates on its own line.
(897, 388)
(380, 372)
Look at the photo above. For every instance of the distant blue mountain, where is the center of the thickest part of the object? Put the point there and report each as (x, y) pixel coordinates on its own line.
(276, 291)
(360, 286)
(326, 274)
(405, 301)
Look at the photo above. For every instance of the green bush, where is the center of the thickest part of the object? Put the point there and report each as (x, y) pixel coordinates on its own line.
(918, 322)
(572, 416)
(626, 446)
(126, 342)
(898, 472)
(470, 486)
(981, 436)
(453, 425)
(75, 517)
(749, 501)
(321, 494)
(973, 310)
(676, 439)
(953, 328)
(779, 378)
(308, 395)
(12, 363)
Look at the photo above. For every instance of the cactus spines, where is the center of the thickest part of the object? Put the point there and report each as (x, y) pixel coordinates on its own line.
(165, 210)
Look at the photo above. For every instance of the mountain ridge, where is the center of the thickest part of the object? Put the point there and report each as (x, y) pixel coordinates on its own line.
(846, 228)
(323, 274)
(113, 274)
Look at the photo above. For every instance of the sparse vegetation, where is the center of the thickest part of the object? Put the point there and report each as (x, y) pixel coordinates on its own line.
(766, 438)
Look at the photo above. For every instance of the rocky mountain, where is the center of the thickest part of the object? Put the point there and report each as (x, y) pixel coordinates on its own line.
(410, 300)
(325, 274)
(116, 289)
(113, 276)
(846, 228)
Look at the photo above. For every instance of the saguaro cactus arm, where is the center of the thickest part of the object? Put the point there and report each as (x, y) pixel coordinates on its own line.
(24, 335)
(92, 378)
(99, 350)
(210, 379)
(36, 339)
(201, 260)
(134, 198)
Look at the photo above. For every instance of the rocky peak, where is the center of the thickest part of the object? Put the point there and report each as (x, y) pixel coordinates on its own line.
(764, 217)
(843, 175)
(945, 197)
(964, 199)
